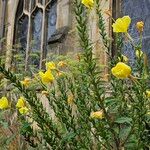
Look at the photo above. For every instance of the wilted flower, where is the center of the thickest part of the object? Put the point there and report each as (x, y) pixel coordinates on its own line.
(88, 3)
(121, 70)
(46, 93)
(121, 24)
(97, 115)
(60, 74)
(26, 81)
(50, 66)
(138, 53)
(23, 110)
(62, 64)
(140, 26)
(21, 102)
(70, 99)
(4, 103)
(46, 77)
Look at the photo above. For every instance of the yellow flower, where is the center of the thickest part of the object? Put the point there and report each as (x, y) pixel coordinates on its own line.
(121, 70)
(148, 93)
(70, 99)
(21, 102)
(46, 77)
(50, 66)
(140, 26)
(23, 110)
(4, 103)
(88, 3)
(138, 53)
(62, 64)
(97, 115)
(26, 81)
(123, 58)
(121, 24)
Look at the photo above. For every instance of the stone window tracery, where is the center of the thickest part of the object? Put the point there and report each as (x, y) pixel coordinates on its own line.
(35, 23)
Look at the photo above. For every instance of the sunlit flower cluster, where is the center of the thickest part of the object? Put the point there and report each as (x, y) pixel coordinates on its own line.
(51, 69)
(22, 106)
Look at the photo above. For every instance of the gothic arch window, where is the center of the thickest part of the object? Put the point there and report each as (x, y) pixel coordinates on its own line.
(138, 10)
(35, 24)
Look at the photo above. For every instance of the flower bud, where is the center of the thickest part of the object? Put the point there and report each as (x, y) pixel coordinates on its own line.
(138, 53)
(140, 26)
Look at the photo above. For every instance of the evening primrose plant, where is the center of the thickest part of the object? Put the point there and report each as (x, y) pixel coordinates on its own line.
(87, 112)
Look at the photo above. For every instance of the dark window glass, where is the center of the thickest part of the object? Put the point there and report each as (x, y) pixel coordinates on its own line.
(33, 3)
(41, 1)
(36, 31)
(36, 39)
(26, 4)
(52, 18)
(22, 32)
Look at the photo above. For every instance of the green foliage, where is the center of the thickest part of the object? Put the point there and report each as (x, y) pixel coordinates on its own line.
(79, 92)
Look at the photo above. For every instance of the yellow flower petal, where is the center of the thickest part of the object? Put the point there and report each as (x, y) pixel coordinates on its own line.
(21, 102)
(4, 103)
(50, 66)
(46, 77)
(23, 110)
(121, 24)
(88, 3)
(121, 70)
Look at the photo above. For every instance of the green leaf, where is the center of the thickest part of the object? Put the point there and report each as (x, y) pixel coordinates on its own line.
(69, 136)
(4, 124)
(123, 120)
(124, 132)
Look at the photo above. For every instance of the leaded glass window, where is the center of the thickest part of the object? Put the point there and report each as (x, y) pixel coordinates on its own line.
(22, 32)
(35, 24)
(37, 31)
(138, 10)
(52, 16)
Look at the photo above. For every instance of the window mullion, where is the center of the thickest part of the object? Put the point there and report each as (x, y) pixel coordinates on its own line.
(43, 39)
(28, 39)
(3, 12)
